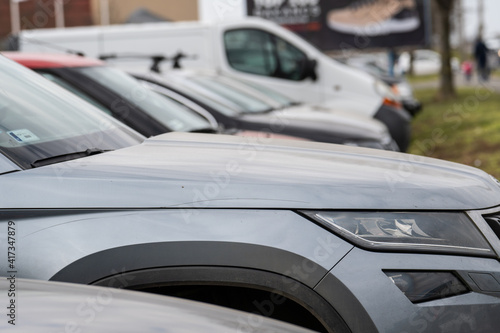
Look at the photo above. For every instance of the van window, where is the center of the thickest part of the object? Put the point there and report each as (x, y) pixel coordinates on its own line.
(251, 51)
(259, 52)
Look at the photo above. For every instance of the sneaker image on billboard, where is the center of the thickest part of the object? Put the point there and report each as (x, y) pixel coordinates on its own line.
(375, 17)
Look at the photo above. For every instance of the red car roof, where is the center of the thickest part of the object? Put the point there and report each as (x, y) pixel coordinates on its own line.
(51, 60)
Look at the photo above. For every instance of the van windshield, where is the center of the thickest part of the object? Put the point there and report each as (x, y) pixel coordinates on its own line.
(41, 123)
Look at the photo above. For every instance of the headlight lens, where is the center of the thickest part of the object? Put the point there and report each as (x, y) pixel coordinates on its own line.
(404, 90)
(452, 233)
(388, 96)
(384, 90)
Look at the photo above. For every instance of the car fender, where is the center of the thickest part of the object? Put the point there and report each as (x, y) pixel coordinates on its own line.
(88, 245)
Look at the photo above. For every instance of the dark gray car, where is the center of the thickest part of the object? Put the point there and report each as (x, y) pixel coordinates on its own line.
(332, 238)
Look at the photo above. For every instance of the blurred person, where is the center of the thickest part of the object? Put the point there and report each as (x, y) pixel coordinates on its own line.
(481, 56)
(467, 69)
(393, 59)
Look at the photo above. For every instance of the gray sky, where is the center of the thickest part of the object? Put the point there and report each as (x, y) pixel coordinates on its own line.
(491, 17)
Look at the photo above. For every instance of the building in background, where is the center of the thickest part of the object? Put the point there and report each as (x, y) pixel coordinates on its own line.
(35, 14)
(121, 10)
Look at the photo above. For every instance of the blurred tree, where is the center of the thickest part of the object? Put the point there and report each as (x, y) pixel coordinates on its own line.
(444, 10)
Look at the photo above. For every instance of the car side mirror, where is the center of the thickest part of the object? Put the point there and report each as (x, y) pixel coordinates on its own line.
(310, 69)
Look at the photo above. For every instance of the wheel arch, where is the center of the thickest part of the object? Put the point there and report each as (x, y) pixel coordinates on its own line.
(226, 264)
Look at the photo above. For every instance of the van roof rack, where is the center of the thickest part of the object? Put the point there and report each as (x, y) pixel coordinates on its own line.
(156, 59)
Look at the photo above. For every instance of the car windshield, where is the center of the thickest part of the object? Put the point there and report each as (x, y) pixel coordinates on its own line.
(40, 121)
(278, 98)
(247, 102)
(170, 113)
(204, 96)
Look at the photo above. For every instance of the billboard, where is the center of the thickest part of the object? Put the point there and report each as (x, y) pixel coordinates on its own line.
(347, 24)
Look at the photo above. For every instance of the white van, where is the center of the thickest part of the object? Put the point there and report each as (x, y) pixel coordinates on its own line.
(251, 49)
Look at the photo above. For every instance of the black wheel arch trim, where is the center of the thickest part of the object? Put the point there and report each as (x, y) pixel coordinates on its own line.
(235, 277)
(110, 262)
(207, 263)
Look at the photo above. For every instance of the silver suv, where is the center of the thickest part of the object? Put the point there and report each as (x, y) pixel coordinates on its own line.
(332, 238)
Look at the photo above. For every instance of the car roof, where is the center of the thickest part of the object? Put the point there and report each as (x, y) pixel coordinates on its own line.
(51, 60)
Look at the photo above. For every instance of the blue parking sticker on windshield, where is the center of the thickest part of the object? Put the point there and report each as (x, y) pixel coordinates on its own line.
(23, 136)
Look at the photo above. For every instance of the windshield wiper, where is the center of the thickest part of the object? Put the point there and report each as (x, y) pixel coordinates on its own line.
(210, 130)
(67, 157)
(260, 111)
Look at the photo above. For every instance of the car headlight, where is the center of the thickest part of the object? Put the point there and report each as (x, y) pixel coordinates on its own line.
(404, 90)
(389, 97)
(383, 89)
(447, 232)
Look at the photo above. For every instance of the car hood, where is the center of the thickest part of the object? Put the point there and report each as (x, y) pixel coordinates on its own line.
(317, 123)
(338, 117)
(183, 170)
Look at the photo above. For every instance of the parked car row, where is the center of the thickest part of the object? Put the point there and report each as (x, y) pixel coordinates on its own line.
(234, 111)
(254, 107)
(328, 237)
(205, 183)
(253, 50)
